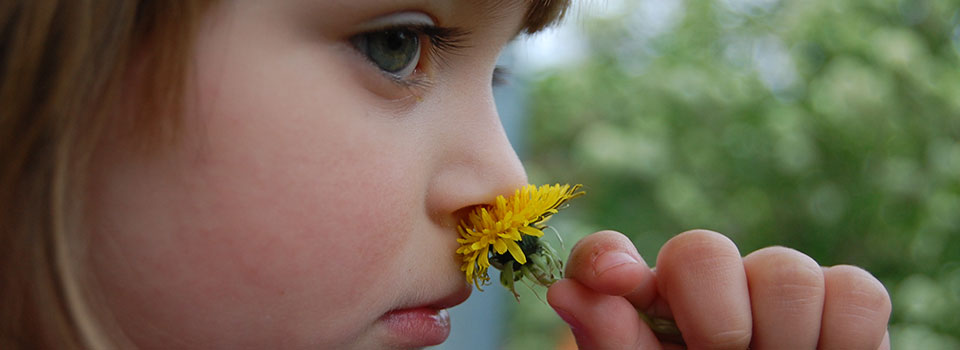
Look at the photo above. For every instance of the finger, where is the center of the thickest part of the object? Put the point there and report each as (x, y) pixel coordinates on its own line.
(786, 295)
(701, 275)
(597, 320)
(885, 344)
(855, 311)
(607, 262)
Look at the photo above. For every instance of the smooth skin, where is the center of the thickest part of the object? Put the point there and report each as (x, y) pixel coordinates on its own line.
(774, 298)
(306, 194)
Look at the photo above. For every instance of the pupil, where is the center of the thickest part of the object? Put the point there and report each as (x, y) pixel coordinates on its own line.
(395, 41)
(393, 50)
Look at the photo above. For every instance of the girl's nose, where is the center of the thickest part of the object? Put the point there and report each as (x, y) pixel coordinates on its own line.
(474, 159)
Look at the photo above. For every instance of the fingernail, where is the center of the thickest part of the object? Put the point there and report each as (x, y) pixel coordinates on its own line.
(609, 260)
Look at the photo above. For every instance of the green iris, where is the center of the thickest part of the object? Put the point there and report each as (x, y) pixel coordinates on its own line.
(392, 50)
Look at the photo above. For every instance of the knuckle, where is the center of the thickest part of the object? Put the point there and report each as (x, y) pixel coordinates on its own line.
(730, 339)
(700, 235)
(797, 298)
(859, 293)
(786, 271)
(699, 243)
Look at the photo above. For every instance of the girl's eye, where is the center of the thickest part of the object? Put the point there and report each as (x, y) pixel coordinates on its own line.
(404, 45)
(395, 51)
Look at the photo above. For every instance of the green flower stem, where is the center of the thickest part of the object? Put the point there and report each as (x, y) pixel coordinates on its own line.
(665, 329)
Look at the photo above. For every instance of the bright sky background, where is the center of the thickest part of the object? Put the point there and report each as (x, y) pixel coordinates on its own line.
(565, 45)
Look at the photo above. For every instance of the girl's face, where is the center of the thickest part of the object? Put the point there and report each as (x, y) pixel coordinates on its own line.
(327, 151)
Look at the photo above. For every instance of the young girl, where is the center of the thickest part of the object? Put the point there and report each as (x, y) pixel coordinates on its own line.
(246, 174)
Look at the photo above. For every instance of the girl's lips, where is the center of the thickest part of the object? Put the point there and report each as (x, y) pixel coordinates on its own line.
(424, 324)
(418, 327)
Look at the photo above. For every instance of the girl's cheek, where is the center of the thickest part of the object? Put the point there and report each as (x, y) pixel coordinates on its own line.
(192, 238)
(258, 208)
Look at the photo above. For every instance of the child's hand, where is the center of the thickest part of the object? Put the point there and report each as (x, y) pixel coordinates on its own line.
(774, 298)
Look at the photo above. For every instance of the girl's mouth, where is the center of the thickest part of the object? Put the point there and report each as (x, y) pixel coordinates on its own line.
(424, 324)
(418, 327)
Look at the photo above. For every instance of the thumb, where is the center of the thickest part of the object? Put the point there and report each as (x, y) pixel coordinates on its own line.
(599, 321)
(608, 262)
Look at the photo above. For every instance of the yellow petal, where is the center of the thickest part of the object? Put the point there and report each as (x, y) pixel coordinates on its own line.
(511, 234)
(532, 231)
(500, 246)
(484, 261)
(470, 270)
(516, 252)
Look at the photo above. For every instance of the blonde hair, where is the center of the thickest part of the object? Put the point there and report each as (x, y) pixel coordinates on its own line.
(62, 63)
(62, 68)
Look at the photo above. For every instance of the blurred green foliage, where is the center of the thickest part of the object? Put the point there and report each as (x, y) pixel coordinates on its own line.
(832, 127)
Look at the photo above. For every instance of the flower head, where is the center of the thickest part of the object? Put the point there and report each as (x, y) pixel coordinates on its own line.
(507, 233)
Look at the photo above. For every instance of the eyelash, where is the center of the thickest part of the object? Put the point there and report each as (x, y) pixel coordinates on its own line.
(443, 42)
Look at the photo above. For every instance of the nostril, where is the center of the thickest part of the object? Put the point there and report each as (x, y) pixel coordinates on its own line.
(450, 220)
(461, 215)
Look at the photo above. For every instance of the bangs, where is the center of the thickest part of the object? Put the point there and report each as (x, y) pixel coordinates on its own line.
(543, 13)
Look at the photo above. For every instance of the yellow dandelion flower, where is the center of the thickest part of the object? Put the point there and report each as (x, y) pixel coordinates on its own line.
(512, 225)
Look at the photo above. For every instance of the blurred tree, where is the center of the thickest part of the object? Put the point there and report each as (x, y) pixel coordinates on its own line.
(829, 126)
